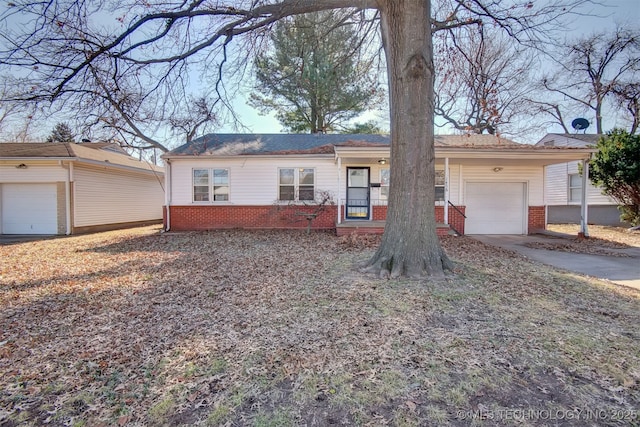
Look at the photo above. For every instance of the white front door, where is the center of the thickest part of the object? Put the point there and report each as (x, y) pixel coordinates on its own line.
(495, 208)
(29, 209)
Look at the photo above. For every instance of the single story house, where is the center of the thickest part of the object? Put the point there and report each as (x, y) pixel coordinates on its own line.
(563, 186)
(69, 188)
(484, 184)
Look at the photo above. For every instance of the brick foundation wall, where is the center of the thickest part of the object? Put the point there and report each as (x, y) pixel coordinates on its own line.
(184, 218)
(537, 219)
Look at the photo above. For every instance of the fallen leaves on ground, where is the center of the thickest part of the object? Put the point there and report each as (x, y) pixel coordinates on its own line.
(602, 240)
(267, 328)
(602, 234)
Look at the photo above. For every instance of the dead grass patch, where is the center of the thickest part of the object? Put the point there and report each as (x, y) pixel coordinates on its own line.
(279, 328)
(623, 237)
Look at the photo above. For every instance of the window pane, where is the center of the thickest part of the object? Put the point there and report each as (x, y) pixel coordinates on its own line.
(201, 193)
(439, 193)
(439, 177)
(306, 177)
(384, 177)
(200, 185)
(200, 177)
(286, 177)
(286, 192)
(575, 180)
(575, 187)
(358, 178)
(575, 194)
(306, 193)
(220, 193)
(220, 176)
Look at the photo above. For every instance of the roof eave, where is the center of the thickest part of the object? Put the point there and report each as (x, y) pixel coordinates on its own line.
(518, 153)
(244, 156)
(81, 160)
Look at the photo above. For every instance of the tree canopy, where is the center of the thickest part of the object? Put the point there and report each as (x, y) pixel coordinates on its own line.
(482, 80)
(616, 169)
(317, 76)
(592, 71)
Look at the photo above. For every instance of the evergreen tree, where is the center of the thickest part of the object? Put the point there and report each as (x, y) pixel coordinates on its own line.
(313, 78)
(370, 127)
(61, 133)
(616, 169)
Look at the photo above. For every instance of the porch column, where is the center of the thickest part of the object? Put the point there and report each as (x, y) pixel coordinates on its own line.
(584, 228)
(338, 189)
(446, 190)
(68, 195)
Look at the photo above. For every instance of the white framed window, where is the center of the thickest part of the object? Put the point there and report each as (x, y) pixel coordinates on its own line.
(296, 184)
(385, 175)
(210, 185)
(575, 188)
(439, 185)
(384, 184)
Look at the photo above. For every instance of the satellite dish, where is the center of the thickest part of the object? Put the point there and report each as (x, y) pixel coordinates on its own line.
(580, 123)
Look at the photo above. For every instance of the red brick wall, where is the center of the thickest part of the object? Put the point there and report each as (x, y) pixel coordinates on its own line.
(213, 217)
(195, 217)
(455, 218)
(537, 219)
(379, 213)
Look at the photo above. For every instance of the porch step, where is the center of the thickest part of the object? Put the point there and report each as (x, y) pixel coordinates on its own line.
(377, 227)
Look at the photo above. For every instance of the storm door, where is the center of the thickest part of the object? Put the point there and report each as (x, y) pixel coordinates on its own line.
(358, 193)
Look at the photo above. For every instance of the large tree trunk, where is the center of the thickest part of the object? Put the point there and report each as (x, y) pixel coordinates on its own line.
(410, 245)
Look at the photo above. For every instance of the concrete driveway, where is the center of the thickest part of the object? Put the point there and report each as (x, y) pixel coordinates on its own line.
(621, 270)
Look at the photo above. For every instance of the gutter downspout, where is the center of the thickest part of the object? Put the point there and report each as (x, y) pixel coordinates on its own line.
(584, 212)
(67, 191)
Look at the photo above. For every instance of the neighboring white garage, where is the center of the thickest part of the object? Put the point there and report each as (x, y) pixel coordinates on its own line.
(496, 208)
(29, 209)
(68, 188)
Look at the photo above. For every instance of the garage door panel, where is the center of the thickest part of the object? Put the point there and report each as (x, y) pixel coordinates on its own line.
(29, 209)
(495, 208)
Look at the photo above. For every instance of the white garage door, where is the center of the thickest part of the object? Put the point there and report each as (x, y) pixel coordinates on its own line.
(29, 209)
(495, 208)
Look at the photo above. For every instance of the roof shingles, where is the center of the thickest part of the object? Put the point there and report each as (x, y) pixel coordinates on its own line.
(86, 151)
(286, 144)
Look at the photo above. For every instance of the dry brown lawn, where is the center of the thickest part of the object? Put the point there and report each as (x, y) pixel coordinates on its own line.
(239, 328)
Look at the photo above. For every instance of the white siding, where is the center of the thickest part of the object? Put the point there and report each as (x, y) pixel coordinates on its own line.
(109, 196)
(252, 180)
(33, 173)
(533, 176)
(557, 186)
